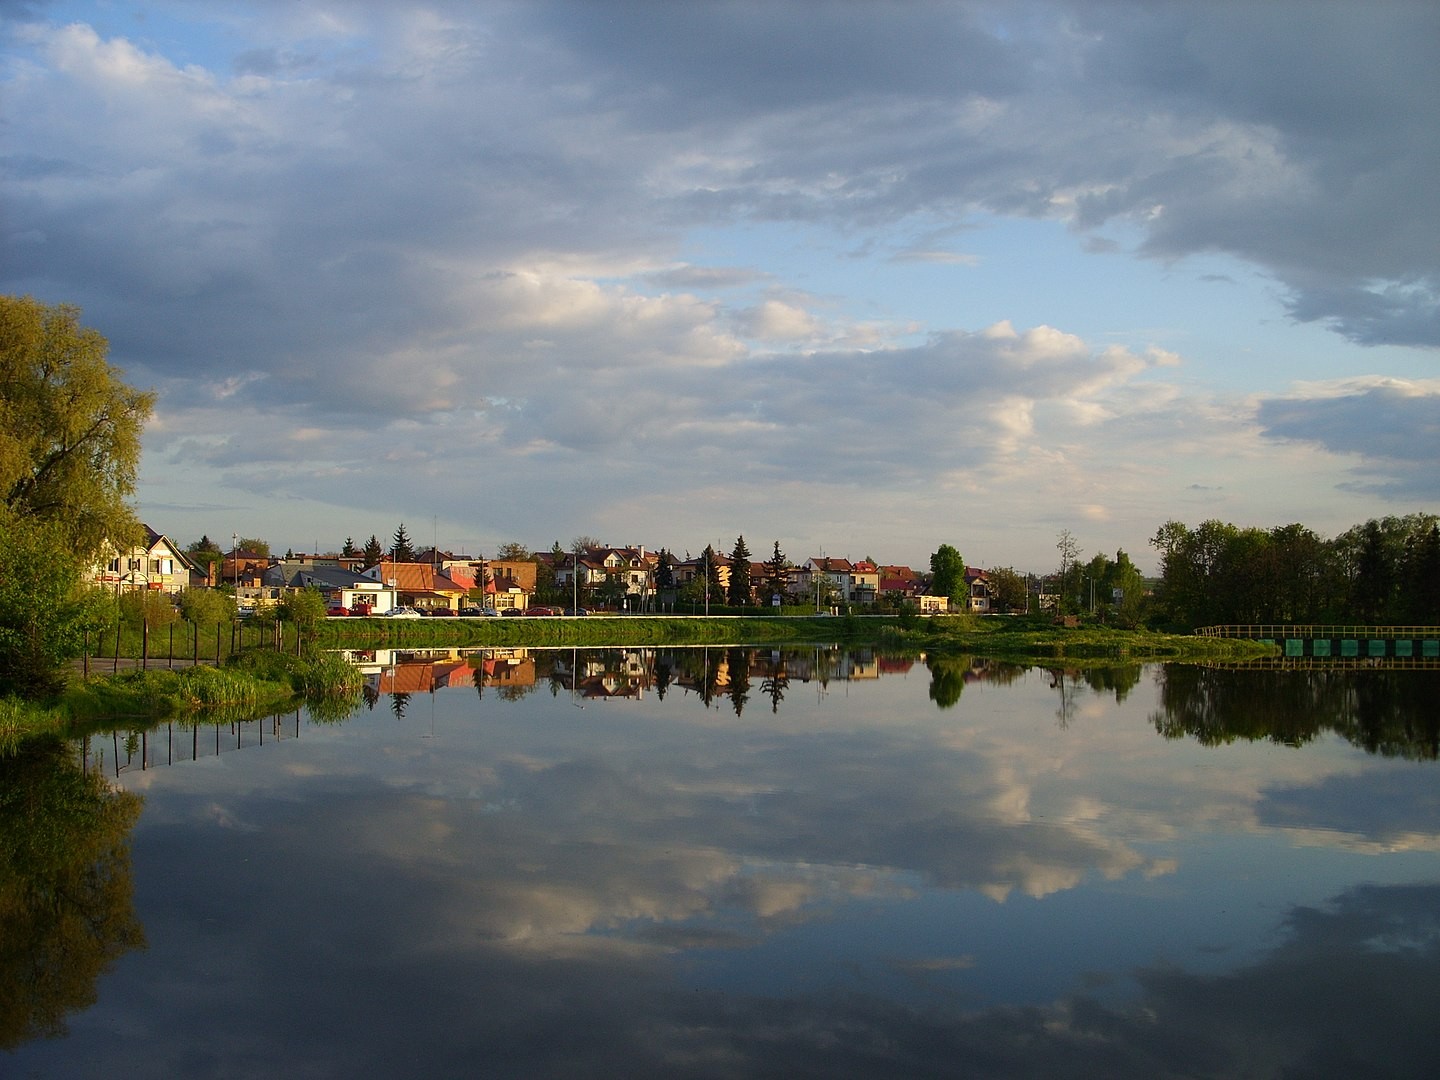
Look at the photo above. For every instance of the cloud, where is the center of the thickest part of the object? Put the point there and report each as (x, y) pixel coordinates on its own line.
(492, 223)
(1391, 426)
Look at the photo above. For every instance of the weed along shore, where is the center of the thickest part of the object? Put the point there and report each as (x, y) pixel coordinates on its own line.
(243, 686)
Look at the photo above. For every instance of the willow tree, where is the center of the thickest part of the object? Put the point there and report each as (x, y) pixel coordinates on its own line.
(70, 427)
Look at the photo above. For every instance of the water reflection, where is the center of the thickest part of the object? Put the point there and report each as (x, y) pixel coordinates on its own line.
(66, 909)
(1388, 712)
(740, 862)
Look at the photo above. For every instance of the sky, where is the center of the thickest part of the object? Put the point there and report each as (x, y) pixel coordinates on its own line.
(860, 278)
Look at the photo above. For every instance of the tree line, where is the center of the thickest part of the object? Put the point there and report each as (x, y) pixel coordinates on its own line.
(1385, 571)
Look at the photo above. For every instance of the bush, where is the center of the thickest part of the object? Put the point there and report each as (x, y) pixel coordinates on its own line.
(206, 607)
(152, 608)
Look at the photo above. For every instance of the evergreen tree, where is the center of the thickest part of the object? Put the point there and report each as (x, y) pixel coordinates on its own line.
(349, 551)
(373, 552)
(401, 550)
(775, 684)
(739, 595)
(775, 577)
(664, 570)
(710, 568)
(206, 554)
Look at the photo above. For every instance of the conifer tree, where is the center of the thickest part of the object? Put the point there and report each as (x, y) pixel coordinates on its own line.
(401, 550)
(775, 577)
(373, 551)
(739, 594)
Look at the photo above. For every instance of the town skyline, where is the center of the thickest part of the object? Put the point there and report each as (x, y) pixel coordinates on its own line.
(863, 279)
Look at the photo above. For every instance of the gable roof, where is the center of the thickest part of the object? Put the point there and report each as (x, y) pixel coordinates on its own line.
(413, 577)
(327, 577)
(154, 539)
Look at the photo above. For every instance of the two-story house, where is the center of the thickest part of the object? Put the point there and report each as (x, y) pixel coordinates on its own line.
(155, 564)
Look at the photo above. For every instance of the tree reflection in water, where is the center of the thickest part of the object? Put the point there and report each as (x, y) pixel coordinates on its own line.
(66, 898)
(1385, 711)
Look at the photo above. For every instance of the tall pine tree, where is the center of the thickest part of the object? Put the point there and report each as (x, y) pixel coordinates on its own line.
(401, 550)
(775, 576)
(664, 571)
(373, 551)
(710, 566)
(739, 595)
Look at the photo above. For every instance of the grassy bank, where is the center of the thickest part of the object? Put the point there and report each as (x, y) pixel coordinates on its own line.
(594, 630)
(1031, 639)
(1016, 638)
(247, 684)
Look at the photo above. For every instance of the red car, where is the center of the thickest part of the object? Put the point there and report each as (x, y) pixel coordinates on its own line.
(337, 609)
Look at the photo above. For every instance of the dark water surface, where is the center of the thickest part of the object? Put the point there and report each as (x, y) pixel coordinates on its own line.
(731, 863)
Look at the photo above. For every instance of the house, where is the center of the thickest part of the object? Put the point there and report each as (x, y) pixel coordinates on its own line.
(625, 573)
(418, 585)
(510, 583)
(690, 569)
(856, 583)
(977, 583)
(244, 568)
(900, 583)
(864, 582)
(342, 587)
(155, 564)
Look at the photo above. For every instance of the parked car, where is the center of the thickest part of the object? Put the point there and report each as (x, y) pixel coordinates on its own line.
(337, 609)
(438, 611)
(402, 613)
(512, 611)
(471, 611)
(576, 611)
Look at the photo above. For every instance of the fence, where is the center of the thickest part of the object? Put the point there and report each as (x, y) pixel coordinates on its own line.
(183, 642)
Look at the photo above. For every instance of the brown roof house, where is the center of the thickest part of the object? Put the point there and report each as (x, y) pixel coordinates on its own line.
(418, 585)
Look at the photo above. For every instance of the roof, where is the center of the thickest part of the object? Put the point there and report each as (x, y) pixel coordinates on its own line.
(153, 540)
(326, 577)
(412, 577)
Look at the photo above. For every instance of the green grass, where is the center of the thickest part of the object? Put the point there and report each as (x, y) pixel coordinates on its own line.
(1034, 638)
(1003, 637)
(248, 684)
(21, 720)
(594, 630)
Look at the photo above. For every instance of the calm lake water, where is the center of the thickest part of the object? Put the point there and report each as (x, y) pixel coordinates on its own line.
(740, 863)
